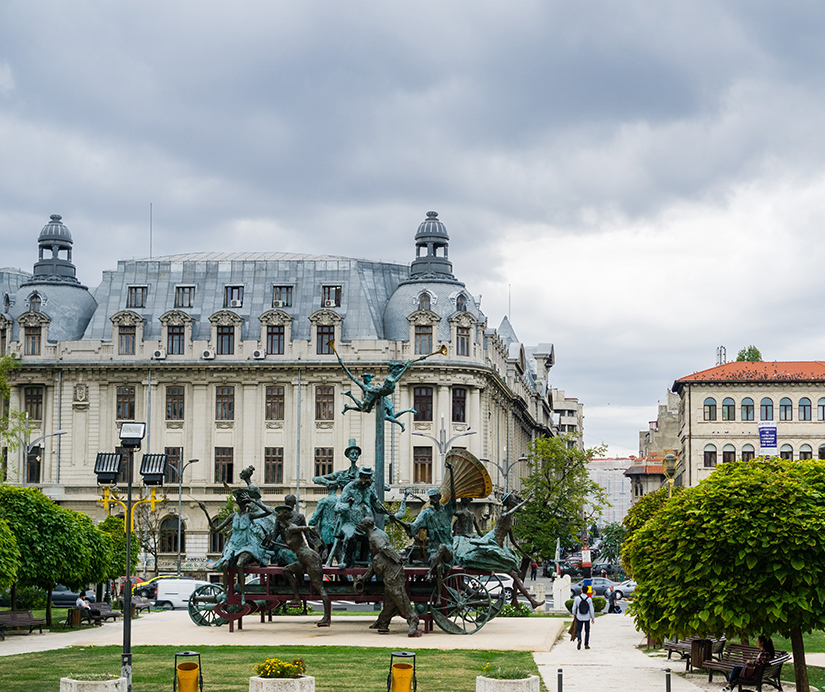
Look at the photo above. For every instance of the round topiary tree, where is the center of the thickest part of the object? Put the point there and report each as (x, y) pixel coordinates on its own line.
(9, 556)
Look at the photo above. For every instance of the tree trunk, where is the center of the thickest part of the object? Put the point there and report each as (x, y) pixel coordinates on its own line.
(800, 669)
(14, 595)
(49, 607)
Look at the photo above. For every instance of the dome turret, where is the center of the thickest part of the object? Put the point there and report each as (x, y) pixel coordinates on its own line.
(432, 238)
(55, 230)
(55, 240)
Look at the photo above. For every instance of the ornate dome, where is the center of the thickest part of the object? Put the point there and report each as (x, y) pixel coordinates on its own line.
(432, 228)
(55, 230)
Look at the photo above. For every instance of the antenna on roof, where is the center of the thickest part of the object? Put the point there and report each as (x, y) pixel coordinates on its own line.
(721, 355)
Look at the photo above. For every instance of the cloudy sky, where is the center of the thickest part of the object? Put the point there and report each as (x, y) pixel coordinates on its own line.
(646, 180)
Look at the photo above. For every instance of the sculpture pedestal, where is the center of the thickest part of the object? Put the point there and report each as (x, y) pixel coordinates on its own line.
(530, 684)
(306, 683)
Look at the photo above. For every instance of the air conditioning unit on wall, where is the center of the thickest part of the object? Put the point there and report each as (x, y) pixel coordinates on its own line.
(257, 354)
(159, 354)
(235, 303)
(327, 304)
(275, 304)
(208, 354)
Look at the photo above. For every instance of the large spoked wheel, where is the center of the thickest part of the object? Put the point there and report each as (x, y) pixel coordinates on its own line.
(202, 605)
(462, 606)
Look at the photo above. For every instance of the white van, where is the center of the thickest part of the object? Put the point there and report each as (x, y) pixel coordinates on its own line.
(175, 593)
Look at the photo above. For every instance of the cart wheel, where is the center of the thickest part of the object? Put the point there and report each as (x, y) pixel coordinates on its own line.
(462, 606)
(202, 604)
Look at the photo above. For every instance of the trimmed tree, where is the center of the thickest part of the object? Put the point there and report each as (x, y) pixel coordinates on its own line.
(565, 499)
(9, 556)
(741, 554)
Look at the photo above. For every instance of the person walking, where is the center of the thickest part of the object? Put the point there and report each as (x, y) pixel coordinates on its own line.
(585, 616)
(534, 570)
(612, 597)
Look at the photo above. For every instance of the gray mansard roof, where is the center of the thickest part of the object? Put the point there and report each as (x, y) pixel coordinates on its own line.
(366, 286)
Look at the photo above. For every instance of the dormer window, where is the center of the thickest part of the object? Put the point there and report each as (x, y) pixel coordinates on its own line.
(424, 301)
(461, 303)
(184, 296)
(331, 297)
(233, 297)
(282, 296)
(137, 297)
(35, 302)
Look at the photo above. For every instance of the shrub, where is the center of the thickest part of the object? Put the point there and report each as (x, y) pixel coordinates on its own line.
(504, 672)
(598, 604)
(28, 598)
(276, 668)
(520, 610)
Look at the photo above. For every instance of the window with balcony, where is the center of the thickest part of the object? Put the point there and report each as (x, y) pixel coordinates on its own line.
(459, 405)
(274, 403)
(324, 405)
(785, 409)
(175, 335)
(728, 409)
(125, 403)
(275, 339)
(226, 340)
(274, 465)
(33, 402)
(747, 409)
(323, 460)
(33, 336)
(136, 296)
(710, 409)
(423, 403)
(282, 296)
(224, 403)
(184, 296)
(766, 409)
(224, 463)
(174, 402)
(422, 464)
(126, 340)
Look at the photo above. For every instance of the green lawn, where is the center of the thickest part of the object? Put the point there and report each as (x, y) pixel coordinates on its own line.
(228, 668)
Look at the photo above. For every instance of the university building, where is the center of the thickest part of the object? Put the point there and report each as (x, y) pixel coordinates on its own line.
(228, 358)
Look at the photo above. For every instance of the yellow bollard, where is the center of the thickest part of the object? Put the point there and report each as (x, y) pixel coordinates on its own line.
(402, 674)
(188, 676)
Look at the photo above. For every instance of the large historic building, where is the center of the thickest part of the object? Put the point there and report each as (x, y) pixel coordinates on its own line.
(228, 358)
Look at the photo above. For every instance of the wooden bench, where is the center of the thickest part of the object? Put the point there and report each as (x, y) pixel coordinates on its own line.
(19, 618)
(738, 655)
(684, 647)
(139, 603)
(106, 612)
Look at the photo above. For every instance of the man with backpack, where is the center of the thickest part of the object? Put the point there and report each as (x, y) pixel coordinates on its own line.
(585, 615)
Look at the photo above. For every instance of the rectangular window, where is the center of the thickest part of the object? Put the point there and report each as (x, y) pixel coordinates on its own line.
(462, 341)
(174, 340)
(331, 297)
(282, 296)
(33, 459)
(710, 458)
(324, 405)
(126, 341)
(766, 410)
(226, 341)
(184, 296)
(33, 337)
(224, 403)
(324, 334)
(422, 464)
(274, 465)
(33, 402)
(785, 411)
(136, 297)
(233, 297)
(323, 461)
(274, 404)
(820, 410)
(174, 403)
(274, 340)
(459, 405)
(217, 542)
(175, 456)
(728, 411)
(125, 403)
(710, 410)
(423, 338)
(747, 412)
(127, 455)
(224, 464)
(423, 403)
(805, 410)
(4, 464)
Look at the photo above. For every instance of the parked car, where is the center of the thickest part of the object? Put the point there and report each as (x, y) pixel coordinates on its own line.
(62, 597)
(496, 582)
(147, 588)
(626, 588)
(598, 584)
(175, 593)
(566, 566)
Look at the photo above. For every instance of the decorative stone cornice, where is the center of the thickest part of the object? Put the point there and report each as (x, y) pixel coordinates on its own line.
(276, 318)
(462, 319)
(33, 319)
(422, 317)
(325, 318)
(226, 318)
(175, 318)
(127, 318)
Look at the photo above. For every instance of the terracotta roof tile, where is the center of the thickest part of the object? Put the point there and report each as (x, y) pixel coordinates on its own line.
(773, 371)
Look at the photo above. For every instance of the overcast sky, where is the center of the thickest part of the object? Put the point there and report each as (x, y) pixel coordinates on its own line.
(646, 179)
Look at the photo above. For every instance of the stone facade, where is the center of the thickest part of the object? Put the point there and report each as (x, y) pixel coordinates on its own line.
(226, 357)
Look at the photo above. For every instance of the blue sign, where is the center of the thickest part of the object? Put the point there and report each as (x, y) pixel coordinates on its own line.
(767, 436)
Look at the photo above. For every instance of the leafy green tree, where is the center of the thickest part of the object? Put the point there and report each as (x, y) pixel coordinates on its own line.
(565, 500)
(113, 526)
(53, 544)
(612, 538)
(749, 353)
(9, 556)
(743, 553)
(13, 423)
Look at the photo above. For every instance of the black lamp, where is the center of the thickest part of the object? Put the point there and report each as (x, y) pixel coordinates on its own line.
(153, 468)
(107, 467)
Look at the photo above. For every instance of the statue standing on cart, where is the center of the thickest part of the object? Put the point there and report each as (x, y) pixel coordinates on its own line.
(387, 564)
(358, 500)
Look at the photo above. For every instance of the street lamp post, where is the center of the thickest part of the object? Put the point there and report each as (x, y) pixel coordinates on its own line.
(180, 495)
(443, 444)
(505, 469)
(30, 446)
(669, 468)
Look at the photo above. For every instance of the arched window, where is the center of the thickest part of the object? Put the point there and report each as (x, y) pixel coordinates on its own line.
(168, 539)
(747, 408)
(805, 452)
(217, 541)
(728, 454)
(728, 409)
(461, 303)
(766, 409)
(820, 409)
(710, 408)
(822, 452)
(710, 455)
(747, 452)
(785, 409)
(35, 302)
(423, 300)
(786, 452)
(804, 408)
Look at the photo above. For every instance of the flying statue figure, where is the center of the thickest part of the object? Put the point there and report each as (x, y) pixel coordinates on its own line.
(373, 393)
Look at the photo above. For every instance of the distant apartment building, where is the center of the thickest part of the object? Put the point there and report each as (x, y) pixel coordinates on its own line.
(609, 473)
(571, 415)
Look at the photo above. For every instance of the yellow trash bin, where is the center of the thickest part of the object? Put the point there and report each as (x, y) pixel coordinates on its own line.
(188, 676)
(402, 674)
